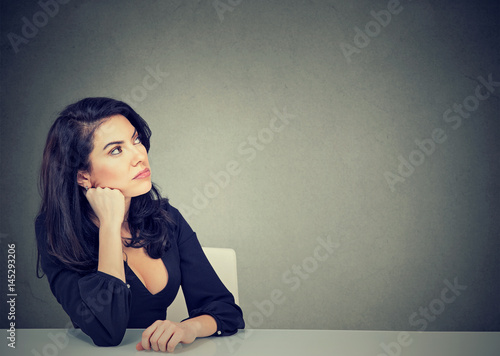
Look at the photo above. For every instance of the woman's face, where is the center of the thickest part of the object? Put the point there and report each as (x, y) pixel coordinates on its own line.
(117, 158)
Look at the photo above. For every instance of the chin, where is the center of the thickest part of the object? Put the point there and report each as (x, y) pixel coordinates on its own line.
(142, 190)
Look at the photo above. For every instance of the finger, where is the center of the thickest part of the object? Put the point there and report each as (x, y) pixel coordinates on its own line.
(166, 339)
(139, 347)
(147, 334)
(154, 340)
(162, 327)
(174, 341)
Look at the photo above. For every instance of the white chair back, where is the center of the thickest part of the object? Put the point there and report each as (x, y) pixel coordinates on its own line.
(223, 260)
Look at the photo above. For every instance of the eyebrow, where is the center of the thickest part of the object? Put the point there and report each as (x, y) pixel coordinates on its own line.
(118, 142)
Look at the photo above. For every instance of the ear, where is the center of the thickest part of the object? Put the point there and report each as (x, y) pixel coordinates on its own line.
(83, 179)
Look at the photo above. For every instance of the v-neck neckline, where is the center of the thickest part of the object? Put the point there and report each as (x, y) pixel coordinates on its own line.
(143, 285)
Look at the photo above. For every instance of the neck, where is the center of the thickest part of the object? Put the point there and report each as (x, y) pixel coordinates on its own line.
(127, 207)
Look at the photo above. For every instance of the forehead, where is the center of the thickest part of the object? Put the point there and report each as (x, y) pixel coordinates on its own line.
(115, 128)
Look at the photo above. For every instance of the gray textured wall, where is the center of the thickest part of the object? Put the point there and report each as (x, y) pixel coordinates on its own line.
(346, 109)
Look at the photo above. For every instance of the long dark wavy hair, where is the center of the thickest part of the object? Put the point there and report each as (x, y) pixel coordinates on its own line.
(72, 237)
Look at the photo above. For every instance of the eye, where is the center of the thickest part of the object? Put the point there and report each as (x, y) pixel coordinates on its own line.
(118, 149)
(115, 149)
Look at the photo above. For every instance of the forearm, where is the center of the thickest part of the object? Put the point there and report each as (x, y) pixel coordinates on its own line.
(203, 325)
(110, 250)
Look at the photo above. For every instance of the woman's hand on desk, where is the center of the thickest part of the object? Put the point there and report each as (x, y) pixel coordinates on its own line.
(164, 335)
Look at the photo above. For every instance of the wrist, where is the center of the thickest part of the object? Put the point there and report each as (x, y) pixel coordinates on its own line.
(203, 325)
(110, 224)
(193, 325)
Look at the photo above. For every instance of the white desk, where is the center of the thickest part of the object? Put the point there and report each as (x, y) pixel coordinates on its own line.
(61, 342)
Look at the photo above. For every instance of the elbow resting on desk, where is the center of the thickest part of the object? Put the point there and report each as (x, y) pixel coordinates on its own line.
(108, 340)
(102, 336)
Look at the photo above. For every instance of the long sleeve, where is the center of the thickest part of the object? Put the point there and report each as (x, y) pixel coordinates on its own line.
(96, 302)
(203, 290)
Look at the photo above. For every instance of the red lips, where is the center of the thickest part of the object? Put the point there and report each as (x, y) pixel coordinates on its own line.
(143, 174)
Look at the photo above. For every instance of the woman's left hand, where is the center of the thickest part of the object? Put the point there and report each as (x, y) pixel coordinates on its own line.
(164, 335)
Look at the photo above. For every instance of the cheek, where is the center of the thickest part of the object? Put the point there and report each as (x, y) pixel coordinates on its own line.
(108, 175)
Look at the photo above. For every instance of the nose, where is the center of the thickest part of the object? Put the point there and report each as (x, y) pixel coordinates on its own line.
(139, 155)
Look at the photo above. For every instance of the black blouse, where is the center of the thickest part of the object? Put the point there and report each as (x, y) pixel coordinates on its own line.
(103, 306)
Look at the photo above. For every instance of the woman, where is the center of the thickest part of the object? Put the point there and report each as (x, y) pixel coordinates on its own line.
(113, 250)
